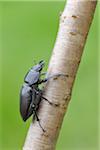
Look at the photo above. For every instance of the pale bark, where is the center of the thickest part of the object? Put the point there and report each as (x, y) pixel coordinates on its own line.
(74, 26)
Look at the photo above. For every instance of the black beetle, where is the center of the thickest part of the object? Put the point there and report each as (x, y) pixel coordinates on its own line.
(31, 94)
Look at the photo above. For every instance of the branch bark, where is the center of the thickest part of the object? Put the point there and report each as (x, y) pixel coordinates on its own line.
(74, 26)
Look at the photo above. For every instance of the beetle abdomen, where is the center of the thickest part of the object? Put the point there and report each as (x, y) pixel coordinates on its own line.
(25, 101)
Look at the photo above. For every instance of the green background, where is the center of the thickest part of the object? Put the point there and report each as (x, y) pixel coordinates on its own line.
(27, 33)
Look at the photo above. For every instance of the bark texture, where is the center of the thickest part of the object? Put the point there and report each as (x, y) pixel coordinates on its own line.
(74, 26)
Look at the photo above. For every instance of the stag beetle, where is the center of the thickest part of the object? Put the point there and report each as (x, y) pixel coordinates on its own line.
(31, 94)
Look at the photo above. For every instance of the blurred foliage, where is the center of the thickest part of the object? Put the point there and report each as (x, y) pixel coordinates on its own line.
(28, 32)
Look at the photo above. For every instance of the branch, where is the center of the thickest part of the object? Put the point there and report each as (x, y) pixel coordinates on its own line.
(74, 26)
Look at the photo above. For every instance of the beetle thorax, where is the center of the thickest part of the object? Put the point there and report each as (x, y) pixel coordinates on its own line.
(32, 77)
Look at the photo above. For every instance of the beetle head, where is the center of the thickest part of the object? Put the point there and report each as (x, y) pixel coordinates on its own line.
(39, 66)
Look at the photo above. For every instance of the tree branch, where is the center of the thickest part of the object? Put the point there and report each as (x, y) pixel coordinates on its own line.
(74, 26)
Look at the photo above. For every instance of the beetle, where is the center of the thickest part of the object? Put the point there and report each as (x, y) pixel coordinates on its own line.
(31, 94)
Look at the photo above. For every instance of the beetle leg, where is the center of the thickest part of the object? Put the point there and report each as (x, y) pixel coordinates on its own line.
(49, 101)
(37, 118)
(43, 73)
(40, 93)
(52, 76)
